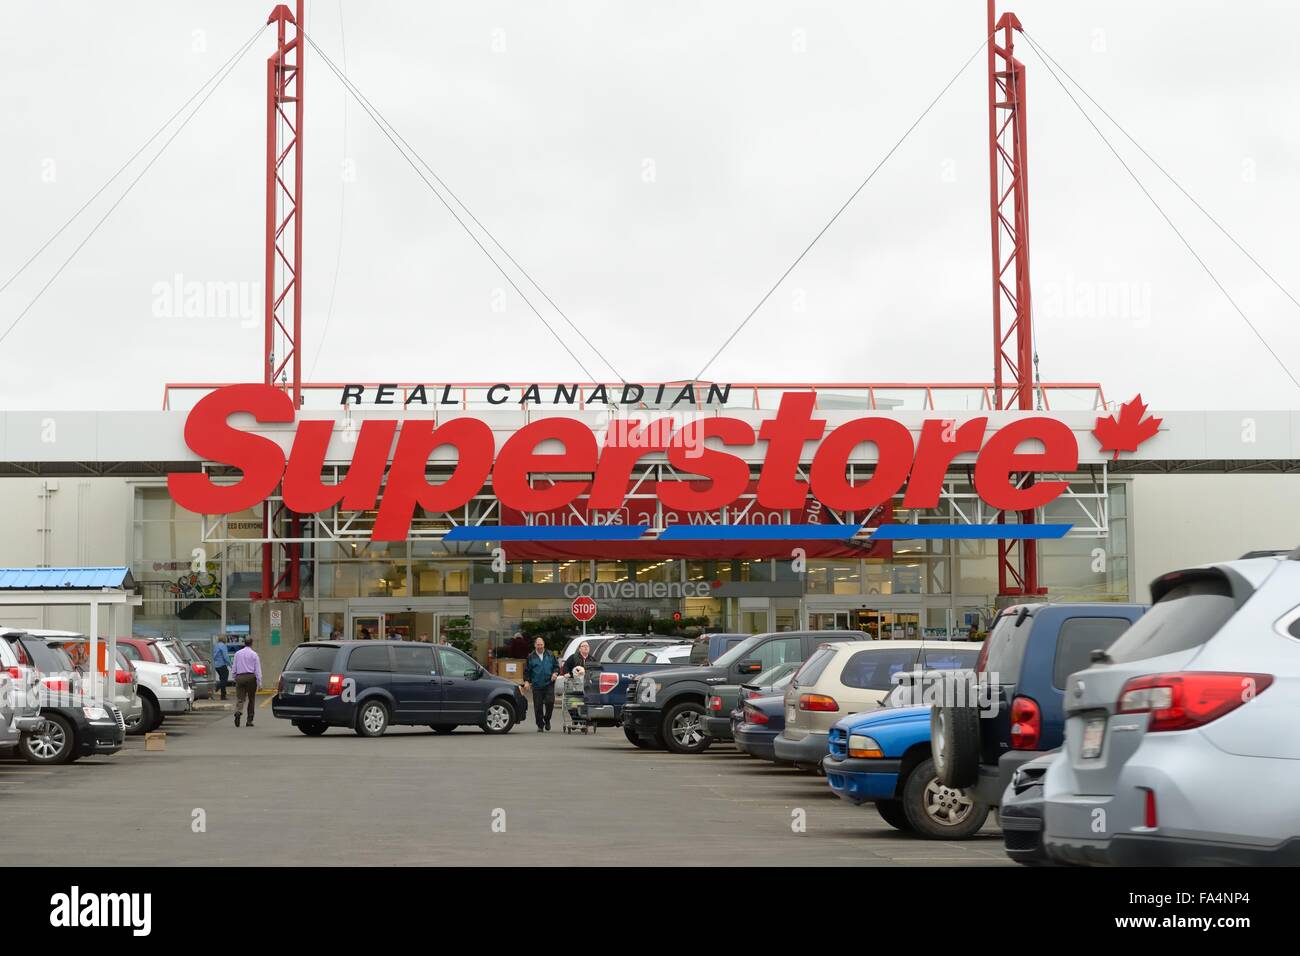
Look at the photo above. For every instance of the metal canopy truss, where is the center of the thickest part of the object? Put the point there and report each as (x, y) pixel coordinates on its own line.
(1086, 500)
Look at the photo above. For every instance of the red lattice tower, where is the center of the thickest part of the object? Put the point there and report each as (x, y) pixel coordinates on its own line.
(283, 277)
(1013, 338)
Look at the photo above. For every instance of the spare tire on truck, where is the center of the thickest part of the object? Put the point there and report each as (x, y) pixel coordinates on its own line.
(955, 734)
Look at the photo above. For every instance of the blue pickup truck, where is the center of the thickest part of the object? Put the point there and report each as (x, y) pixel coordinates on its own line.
(884, 757)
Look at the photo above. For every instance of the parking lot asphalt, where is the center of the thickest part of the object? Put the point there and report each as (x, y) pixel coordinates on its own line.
(267, 795)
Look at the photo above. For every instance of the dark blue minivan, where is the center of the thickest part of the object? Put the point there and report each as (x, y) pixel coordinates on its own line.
(369, 685)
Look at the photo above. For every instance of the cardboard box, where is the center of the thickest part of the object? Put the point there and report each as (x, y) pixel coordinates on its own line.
(511, 668)
(155, 741)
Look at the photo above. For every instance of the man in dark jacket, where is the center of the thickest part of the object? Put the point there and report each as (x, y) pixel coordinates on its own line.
(540, 671)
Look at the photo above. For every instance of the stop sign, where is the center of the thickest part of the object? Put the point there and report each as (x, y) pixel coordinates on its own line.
(584, 608)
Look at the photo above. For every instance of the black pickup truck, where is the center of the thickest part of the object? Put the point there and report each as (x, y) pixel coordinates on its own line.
(669, 708)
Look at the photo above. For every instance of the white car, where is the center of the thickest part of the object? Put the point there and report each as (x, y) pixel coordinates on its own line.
(849, 677)
(1180, 743)
(671, 654)
(164, 687)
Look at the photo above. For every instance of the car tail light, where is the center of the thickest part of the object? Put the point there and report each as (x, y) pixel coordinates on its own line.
(607, 682)
(335, 686)
(1181, 701)
(122, 677)
(755, 716)
(15, 672)
(200, 669)
(1150, 818)
(750, 694)
(1026, 724)
(279, 685)
(56, 683)
(818, 702)
(715, 703)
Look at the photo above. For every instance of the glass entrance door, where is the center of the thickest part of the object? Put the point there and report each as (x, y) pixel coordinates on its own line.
(366, 627)
(828, 620)
(402, 624)
(897, 625)
(876, 624)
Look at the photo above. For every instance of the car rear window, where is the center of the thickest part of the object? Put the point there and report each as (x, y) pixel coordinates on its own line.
(369, 659)
(46, 658)
(1079, 637)
(774, 674)
(874, 668)
(1187, 616)
(314, 659)
(949, 659)
(813, 667)
(1006, 647)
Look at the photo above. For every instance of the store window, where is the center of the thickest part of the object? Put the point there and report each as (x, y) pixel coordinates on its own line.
(834, 576)
(737, 570)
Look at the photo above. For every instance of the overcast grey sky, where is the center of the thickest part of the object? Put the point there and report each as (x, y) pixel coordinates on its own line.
(655, 167)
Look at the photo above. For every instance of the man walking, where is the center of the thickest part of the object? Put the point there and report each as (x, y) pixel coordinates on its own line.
(247, 672)
(221, 664)
(540, 670)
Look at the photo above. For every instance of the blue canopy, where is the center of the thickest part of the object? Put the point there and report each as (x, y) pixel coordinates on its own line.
(70, 579)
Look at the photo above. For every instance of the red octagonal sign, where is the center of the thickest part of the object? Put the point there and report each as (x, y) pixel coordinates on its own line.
(584, 608)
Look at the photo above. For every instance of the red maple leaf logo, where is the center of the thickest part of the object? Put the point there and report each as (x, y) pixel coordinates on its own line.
(1127, 431)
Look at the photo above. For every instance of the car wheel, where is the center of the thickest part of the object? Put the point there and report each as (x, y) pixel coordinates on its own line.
(891, 811)
(372, 719)
(442, 728)
(134, 726)
(313, 728)
(636, 740)
(683, 729)
(500, 717)
(955, 742)
(52, 742)
(150, 715)
(937, 811)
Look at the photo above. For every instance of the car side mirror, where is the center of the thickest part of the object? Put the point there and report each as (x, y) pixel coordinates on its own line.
(750, 667)
(474, 673)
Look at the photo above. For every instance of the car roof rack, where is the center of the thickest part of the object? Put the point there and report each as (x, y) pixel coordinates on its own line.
(1293, 555)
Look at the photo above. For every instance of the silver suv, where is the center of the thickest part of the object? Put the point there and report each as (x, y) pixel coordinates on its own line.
(20, 711)
(1180, 743)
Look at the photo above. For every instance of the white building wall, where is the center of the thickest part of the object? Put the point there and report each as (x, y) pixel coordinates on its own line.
(82, 522)
(1184, 520)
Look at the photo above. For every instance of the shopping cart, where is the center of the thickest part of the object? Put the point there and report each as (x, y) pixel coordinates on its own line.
(573, 705)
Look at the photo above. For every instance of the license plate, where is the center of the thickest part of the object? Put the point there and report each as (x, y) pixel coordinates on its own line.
(300, 688)
(790, 714)
(1094, 732)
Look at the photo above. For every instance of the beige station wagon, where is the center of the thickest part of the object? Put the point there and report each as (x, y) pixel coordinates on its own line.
(842, 679)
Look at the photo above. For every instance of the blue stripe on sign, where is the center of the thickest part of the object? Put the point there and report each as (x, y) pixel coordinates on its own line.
(759, 532)
(913, 532)
(604, 532)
